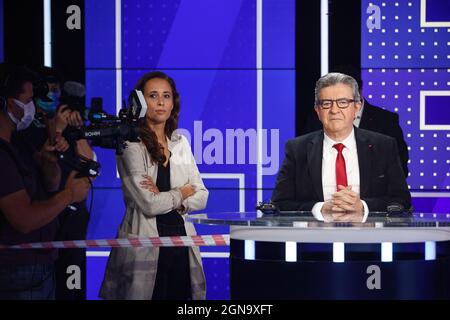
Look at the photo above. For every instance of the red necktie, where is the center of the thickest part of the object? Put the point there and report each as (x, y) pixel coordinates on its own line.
(341, 173)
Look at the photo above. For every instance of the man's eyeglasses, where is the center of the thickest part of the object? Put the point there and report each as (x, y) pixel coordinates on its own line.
(341, 103)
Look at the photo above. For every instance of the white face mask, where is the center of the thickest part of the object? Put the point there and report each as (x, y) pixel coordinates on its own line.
(28, 114)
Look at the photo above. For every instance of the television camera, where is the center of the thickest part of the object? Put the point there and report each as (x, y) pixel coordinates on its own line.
(111, 132)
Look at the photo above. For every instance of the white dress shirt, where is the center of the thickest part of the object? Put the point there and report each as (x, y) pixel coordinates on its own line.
(329, 154)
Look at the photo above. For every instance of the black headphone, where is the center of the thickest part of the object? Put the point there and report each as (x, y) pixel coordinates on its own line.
(12, 75)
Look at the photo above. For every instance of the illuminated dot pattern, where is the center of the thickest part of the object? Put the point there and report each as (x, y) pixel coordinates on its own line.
(397, 64)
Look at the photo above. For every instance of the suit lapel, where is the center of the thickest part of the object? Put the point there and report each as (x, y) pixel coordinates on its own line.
(314, 155)
(365, 151)
(367, 117)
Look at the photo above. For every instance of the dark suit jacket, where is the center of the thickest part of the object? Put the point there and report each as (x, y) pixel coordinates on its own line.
(382, 182)
(374, 119)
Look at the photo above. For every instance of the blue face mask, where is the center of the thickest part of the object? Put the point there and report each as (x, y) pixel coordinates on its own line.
(49, 107)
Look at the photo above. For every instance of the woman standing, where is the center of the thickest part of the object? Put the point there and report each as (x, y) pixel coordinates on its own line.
(160, 183)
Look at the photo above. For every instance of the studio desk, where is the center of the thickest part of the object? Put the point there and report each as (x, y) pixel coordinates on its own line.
(291, 255)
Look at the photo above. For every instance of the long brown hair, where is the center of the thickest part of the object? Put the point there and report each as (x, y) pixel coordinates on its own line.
(147, 135)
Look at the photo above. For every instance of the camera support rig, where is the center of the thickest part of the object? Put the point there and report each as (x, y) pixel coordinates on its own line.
(111, 132)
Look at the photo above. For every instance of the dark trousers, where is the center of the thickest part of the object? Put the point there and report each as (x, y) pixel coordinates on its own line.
(29, 282)
(67, 258)
(73, 226)
(173, 281)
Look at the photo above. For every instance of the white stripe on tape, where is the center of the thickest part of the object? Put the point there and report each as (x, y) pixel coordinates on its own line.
(179, 241)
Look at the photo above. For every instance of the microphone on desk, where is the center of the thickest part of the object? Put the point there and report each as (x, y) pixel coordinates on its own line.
(395, 208)
(267, 207)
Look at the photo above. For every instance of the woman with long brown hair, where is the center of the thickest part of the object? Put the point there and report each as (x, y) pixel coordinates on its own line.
(160, 183)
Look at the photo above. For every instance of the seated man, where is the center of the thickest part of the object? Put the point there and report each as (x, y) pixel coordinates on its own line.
(340, 169)
(369, 117)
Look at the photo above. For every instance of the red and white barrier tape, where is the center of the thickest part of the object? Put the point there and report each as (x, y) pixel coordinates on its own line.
(179, 241)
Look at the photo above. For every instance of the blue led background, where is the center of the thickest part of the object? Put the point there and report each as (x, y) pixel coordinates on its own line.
(210, 49)
(403, 60)
(437, 10)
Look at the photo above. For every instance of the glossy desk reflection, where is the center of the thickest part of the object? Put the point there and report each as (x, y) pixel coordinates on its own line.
(295, 256)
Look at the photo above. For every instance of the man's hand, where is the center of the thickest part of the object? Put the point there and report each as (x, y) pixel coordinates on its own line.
(148, 184)
(47, 152)
(327, 207)
(61, 144)
(61, 119)
(74, 119)
(346, 200)
(65, 116)
(343, 217)
(47, 161)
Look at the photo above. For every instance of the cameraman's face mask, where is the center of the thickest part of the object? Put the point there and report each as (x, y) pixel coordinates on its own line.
(28, 114)
(49, 106)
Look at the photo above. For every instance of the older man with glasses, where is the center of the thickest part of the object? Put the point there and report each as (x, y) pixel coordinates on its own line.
(341, 170)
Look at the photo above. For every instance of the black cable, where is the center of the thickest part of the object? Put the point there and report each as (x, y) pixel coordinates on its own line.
(92, 197)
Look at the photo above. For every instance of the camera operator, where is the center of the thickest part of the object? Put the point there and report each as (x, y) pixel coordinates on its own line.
(27, 213)
(55, 117)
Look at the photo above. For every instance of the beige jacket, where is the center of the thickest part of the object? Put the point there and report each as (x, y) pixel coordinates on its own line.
(130, 272)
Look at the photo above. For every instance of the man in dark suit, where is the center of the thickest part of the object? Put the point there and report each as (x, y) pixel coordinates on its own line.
(340, 169)
(369, 117)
